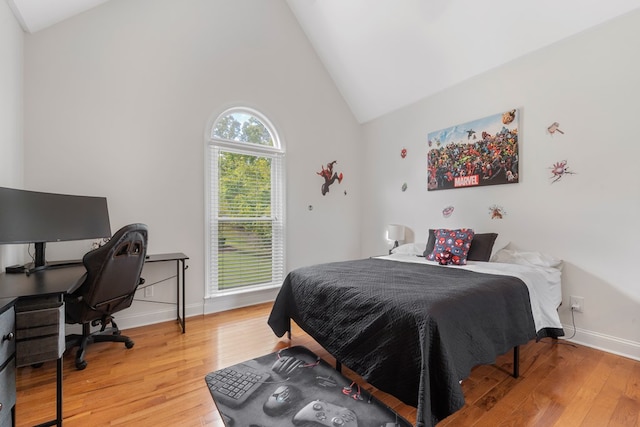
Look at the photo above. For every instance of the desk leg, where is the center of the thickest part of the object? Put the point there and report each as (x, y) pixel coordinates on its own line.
(184, 312)
(178, 293)
(180, 282)
(58, 421)
(59, 392)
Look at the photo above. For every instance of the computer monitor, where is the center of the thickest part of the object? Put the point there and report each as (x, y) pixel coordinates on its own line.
(38, 218)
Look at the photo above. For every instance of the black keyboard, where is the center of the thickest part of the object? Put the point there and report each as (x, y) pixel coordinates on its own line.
(233, 386)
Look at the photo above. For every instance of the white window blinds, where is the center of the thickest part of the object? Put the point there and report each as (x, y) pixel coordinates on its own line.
(246, 222)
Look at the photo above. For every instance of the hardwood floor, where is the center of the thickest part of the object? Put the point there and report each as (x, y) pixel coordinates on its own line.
(160, 381)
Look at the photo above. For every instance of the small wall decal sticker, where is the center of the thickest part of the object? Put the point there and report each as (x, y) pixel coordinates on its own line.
(404, 187)
(508, 117)
(403, 153)
(446, 212)
(559, 170)
(329, 176)
(497, 212)
(554, 127)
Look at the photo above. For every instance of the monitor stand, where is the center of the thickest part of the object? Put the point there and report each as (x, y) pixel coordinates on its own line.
(40, 262)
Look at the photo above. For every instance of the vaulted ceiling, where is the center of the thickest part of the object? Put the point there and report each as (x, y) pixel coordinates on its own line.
(386, 54)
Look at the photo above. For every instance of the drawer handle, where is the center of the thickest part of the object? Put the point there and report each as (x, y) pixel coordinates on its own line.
(8, 337)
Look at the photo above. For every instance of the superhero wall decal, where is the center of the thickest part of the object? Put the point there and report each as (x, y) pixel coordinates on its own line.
(554, 127)
(559, 170)
(497, 212)
(329, 177)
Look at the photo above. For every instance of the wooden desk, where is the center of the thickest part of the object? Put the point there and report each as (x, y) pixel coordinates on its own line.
(66, 277)
(63, 279)
(44, 283)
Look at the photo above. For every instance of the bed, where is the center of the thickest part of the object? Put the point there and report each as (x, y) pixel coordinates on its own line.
(414, 328)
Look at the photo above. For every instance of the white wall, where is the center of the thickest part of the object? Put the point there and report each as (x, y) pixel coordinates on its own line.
(590, 85)
(11, 52)
(117, 100)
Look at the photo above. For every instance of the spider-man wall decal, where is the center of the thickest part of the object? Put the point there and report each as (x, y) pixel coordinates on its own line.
(329, 177)
(558, 170)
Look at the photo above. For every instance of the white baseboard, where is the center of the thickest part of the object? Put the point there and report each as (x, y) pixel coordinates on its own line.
(229, 301)
(608, 343)
(131, 319)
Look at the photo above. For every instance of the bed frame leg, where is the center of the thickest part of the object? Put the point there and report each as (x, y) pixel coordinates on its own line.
(338, 366)
(516, 361)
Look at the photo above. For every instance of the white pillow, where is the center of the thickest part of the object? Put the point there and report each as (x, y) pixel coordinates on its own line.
(410, 249)
(498, 245)
(526, 258)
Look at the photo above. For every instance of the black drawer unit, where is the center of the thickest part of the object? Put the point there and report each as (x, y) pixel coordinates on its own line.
(39, 330)
(7, 365)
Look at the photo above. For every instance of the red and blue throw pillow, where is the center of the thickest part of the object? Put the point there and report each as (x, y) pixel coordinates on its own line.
(451, 246)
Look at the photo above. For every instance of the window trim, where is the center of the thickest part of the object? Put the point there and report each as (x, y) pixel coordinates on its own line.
(277, 153)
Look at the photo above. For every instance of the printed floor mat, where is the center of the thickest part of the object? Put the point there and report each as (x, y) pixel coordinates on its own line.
(294, 387)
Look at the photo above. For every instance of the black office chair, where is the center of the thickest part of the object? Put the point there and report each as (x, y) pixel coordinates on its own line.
(108, 286)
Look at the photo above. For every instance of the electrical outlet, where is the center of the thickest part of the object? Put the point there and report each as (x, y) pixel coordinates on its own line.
(148, 292)
(577, 303)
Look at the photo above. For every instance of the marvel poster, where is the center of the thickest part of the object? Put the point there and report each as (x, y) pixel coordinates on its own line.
(473, 154)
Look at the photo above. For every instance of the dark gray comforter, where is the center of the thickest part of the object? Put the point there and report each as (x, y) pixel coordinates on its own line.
(411, 330)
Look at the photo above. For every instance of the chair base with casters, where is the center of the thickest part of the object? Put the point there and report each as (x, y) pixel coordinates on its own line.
(104, 334)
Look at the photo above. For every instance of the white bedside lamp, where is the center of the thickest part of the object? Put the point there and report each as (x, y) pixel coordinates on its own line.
(395, 232)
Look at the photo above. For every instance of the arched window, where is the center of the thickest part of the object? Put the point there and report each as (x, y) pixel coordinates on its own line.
(246, 202)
